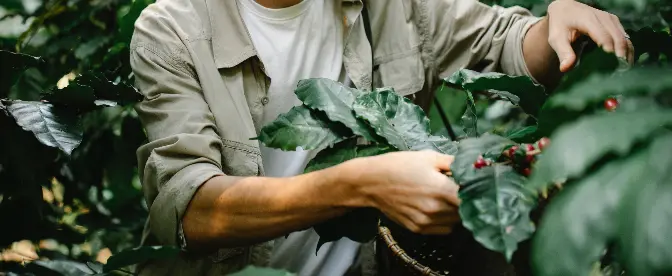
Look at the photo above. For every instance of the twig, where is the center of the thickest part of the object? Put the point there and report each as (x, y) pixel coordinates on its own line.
(444, 118)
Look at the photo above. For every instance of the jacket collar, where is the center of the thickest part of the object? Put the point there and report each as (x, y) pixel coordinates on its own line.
(231, 42)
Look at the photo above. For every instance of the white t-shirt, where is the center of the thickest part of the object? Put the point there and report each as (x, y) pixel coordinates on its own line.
(294, 43)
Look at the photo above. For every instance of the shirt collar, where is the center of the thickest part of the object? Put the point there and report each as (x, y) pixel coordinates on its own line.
(231, 42)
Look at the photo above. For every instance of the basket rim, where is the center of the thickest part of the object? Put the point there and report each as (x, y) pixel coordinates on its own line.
(400, 254)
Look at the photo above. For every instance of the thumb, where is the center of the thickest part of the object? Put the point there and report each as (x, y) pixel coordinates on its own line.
(563, 48)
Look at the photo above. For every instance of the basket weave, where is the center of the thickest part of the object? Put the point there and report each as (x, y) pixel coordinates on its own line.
(399, 253)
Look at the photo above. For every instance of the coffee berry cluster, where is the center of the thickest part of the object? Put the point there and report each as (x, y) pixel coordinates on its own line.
(522, 156)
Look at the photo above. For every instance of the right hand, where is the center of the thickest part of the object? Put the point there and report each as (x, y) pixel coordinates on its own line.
(410, 188)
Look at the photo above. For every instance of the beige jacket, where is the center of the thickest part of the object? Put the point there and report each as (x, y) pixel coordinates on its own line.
(204, 90)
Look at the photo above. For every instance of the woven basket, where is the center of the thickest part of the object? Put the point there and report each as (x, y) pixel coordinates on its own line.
(415, 267)
(468, 256)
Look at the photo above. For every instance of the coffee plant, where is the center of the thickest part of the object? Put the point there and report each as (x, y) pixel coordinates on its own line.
(603, 139)
(597, 147)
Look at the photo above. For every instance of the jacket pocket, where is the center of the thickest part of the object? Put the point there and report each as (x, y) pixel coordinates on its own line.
(404, 72)
(239, 159)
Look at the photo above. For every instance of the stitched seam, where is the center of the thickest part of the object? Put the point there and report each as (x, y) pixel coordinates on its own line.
(238, 148)
(391, 57)
(170, 59)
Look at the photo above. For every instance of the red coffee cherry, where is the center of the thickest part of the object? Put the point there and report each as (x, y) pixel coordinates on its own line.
(529, 147)
(543, 143)
(610, 104)
(512, 151)
(480, 163)
(527, 171)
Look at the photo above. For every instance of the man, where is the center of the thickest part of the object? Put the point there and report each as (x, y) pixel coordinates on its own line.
(213, 72)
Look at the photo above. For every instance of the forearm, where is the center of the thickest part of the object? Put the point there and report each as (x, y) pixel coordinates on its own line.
(540, 58)
(235, 211)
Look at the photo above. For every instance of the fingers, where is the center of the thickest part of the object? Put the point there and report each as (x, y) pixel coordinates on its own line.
(615, 29)
(606, 30)
(432, 223)
(629, 48)
(560, 40)
(441, 161)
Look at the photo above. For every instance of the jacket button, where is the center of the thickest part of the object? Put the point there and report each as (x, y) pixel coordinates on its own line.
(264, 100)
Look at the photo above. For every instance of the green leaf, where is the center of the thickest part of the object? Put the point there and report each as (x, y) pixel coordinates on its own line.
(359, 225)
(575, 147)
(60, 267)
(78, 97)
(453, 102)
(90, 47)
(647, 214)
(395, 118)
(468, 150)
(590, 63)
(496, 208)
(582, 220)
(126, 21)
(530, 94)
(302, 127)
(261, 271)
(92, 90)
(107, 91)
(139, 255)
(51, 126)
(335, 100)
(597, 88)
(470, 118)
(344, 151)
(13, 65)
(523, 135)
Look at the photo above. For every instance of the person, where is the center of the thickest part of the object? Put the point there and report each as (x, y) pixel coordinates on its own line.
(213, 72)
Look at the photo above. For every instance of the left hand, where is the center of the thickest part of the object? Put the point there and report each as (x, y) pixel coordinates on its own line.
(568, 20)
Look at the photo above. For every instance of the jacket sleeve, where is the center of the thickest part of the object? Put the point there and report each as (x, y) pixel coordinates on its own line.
(184, 148)
(470, 34)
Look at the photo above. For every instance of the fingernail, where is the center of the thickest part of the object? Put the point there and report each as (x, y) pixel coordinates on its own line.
(564, 63)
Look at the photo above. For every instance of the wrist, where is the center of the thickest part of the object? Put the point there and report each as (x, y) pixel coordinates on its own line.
(349, 181)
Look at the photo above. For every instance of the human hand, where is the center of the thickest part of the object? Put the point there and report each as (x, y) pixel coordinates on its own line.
(568, 20)
(410, 188)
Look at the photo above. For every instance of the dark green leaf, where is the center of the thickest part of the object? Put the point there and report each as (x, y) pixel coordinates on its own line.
(531, 96)
(261, 271)
(359, 225)
(470, 118)
(395, 118)
(438, 143)
(61, 267)
(637, 81)
(647, 213)
(468, 150)
(522, 135)
(90, 47)
(496, 208)
(107, 91)
(127, 20)
(453, 102)
(590, 63)
(139, 255)
(344, 151)
(13, 65)
(581, 222)
(575, 147)
(335, 100)
(79, 97)
(52, 127)
(302, 127)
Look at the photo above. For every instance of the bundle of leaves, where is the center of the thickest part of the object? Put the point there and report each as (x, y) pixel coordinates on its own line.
(610, 147)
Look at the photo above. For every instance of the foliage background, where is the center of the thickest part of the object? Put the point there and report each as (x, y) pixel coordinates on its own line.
(91, 203)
